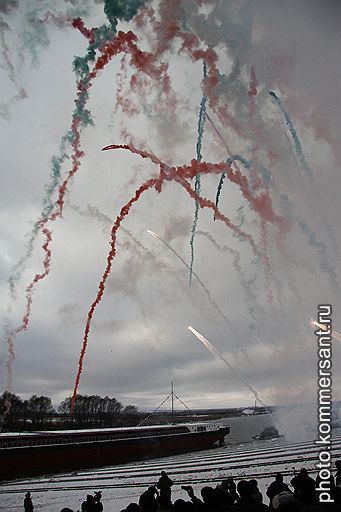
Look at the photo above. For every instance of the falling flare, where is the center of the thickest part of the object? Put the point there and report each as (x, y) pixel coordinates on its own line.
(218, 355)
(334, 334)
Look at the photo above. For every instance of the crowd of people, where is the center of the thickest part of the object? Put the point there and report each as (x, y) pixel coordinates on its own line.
(301, 494)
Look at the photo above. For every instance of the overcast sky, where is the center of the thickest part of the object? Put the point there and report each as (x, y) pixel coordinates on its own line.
(138, 339)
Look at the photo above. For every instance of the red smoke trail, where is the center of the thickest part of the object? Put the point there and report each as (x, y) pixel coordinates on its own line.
(207, 203)
(78, 23)
(168, 28)
(168, 174)
(29, 294)
(152, 183)
(261, 204)
(122, 42)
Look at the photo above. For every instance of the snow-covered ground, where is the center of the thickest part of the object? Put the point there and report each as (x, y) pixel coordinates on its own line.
(124, 483)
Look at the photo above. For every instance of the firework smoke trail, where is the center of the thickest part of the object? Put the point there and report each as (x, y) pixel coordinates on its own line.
(261, 204)
(93, 212)
(292, 130)
(197, 186)
(168, 174)
(179, 174)
(81, 118)
(324, 264)
(211, 348)
(252, 93)
(222, 177)
(122, 42)
(303, 164)
(50, 188)
(334, 333)
(28, 294)
(5, 52)
(288, 206)
(21, 94)
(151, 183)
(232, 160)
(250, 295)
(267, 264)
(202, 285)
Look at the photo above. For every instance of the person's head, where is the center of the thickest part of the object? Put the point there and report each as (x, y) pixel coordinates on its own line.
(283, 499)
(89, 498)
(303, 472)
(179, 505)
(254, 484)
(66, 510)
(98, 495)
(208, 495)
(132, 507)
(279, 477)
(163, 473)
(231, 485)
(152, 489)
(224, 485)
(338, 465)
(28, 495)
(244, 489)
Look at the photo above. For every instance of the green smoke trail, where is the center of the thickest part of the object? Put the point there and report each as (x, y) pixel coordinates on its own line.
(121, 9)
(35, 35)
(292, 130)
(197, 185)
(248, 164)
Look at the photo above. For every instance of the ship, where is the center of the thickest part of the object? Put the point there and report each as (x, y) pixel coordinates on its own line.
(47, 452)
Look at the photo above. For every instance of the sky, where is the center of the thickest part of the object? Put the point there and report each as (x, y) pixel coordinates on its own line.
(184, 83)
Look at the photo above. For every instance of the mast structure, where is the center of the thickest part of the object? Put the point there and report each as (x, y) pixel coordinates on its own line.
(172, 396)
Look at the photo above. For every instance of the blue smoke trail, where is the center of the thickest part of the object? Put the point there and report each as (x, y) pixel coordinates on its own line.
(297, 144)
(197, 185)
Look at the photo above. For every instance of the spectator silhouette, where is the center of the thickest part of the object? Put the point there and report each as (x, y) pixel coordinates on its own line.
(98, 505)
(256, 494)
(165, 486)
(276, 487)
(208, 502)
(28, 505)
(147, 501)
(304, 487)
(285, 502)
(90, 504)
(224, 498)
(132, 507)
(232, 488)
(181, 505)
(246, 502)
